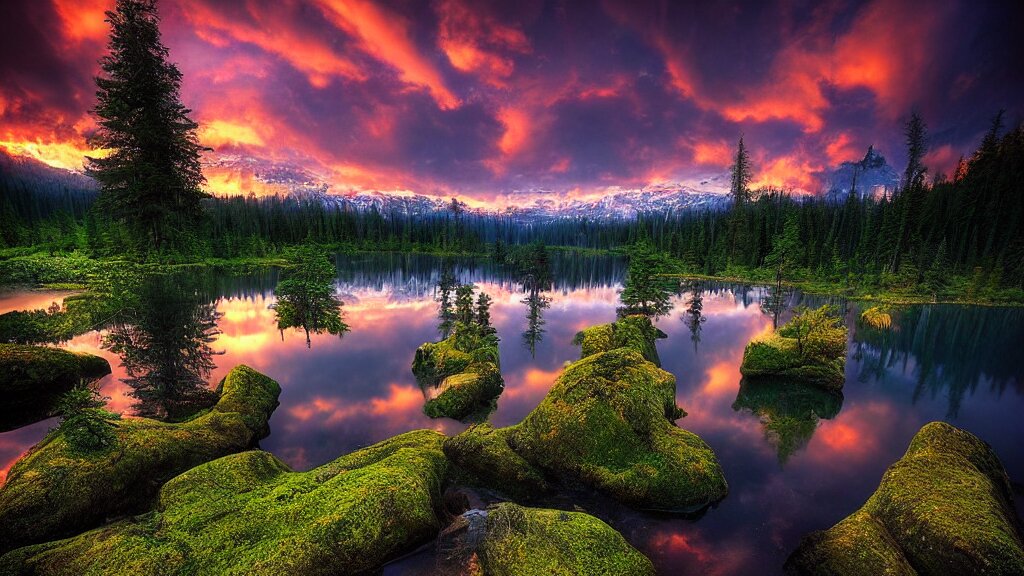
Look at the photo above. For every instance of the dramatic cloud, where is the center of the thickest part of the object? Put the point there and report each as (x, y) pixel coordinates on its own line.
(501, 101)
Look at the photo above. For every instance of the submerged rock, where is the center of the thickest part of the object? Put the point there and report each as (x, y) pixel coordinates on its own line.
(522, 541)
(249, 514)
(946, 507)
(33, 378)
(816, 357)
(608, 422)
(55, 490)
(463, 369)
(789, 411)
(635, 332)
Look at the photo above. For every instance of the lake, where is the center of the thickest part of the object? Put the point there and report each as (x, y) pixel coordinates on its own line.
(793, 466)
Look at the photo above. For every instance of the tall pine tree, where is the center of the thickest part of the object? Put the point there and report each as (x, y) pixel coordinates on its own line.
(152, 178)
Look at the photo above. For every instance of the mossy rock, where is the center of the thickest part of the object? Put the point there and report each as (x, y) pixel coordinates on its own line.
(485, 454)
(635, 332)
(468, 393)
(435, 361)
(608, 422)
(778, 357)
(946, 507)
(56, 490)
(789, 411)
(529, 541)
(465, 369)
(249, 514)
(33, 378)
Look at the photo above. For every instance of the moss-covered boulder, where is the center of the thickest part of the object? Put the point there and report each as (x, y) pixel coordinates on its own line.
(608, 422)
(789, 411)
(435, 361)
(32, 379)
(56, 490)
(944, 508)
(809, 349)
(484, 453)
(463, 395)
(249, 514)
(461, 374)
(636, 332)
(529, 541)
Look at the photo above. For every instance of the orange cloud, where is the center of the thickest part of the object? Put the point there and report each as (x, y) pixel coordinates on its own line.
(84, 20)
(224, 133)
(386, 36)
(474, 41)
(313, 56)
(788, 172)
(517, 129)
(713, 153)
(842, 149)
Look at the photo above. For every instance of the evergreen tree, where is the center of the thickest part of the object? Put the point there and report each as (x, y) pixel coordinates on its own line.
(741, 173)
(151, 178)
(646, 291)
(483, 312)
(464, 304)
(306, 297)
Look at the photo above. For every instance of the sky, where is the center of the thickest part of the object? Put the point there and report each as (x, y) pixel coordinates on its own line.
(499, 102)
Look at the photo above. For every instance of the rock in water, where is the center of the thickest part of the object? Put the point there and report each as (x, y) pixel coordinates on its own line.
(944, 508)
(249, 514)
(636, 332)
(607, 423)
(464, 369)
(55, 490)
(33, 378)
(528, 541)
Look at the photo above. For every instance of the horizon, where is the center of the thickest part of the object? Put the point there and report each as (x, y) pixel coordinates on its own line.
(509, 103)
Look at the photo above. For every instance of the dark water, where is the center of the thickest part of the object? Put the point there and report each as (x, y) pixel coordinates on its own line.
(794, 464)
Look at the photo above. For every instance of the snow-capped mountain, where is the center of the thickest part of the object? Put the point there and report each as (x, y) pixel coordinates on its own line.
(871, 176)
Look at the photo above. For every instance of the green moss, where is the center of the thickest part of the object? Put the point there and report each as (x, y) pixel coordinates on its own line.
(435, 361)
(789, 411)
(778, 357)
(608, 422)
(635, 332)
(32, 379)
(484, 452)
(944, 508)
(249, 514)
(56, 490)
(464, 369)
(529, 541)
(466, 394)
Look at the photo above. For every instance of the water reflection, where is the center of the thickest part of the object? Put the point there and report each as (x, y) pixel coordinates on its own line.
(789, 412)
(949, 351)
(342, 394)
(163, 336)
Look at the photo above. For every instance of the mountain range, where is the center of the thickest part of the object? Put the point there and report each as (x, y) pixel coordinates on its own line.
(870, 176)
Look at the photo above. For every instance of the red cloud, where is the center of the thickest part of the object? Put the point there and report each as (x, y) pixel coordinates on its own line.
(479, 43)
(387, 37)
(269, 26)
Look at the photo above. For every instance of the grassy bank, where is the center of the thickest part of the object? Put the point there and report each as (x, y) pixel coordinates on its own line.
(957, 290)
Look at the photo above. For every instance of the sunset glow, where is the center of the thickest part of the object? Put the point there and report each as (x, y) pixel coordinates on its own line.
(498, 103)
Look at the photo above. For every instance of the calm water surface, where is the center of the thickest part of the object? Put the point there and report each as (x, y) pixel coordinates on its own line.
(791, 468)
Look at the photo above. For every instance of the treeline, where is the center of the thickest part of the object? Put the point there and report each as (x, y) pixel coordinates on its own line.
(964, 233)
(970, 225)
